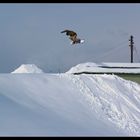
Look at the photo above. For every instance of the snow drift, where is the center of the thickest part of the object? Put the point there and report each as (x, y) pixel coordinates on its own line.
(68, 105)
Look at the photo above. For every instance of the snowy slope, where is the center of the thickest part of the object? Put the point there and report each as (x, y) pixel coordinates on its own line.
(106, 68)
(28, 68)
(68, 105)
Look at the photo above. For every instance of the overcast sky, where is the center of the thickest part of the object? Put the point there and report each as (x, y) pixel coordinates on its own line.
(30, 34)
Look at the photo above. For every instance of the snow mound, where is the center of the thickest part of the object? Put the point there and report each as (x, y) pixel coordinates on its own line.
(28, 68)
(68, 105)
(89, 66)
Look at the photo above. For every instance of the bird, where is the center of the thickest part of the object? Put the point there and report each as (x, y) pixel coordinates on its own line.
(72, 36)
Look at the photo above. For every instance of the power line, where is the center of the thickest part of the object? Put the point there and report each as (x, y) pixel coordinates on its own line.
(137, 53)
(120, 46)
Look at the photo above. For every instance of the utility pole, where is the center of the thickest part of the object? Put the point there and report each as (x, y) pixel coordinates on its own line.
(131, 47)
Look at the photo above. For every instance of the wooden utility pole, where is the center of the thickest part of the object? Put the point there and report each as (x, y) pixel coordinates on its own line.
(131, 47)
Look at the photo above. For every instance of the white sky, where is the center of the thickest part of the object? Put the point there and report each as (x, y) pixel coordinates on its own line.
(30, 33)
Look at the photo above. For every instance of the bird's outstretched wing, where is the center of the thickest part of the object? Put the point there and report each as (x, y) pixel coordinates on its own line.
(69, 33)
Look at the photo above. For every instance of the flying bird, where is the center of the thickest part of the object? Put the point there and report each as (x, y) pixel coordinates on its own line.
(73, 36)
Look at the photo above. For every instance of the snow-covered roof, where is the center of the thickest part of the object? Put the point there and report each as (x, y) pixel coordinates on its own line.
(121, 65)
(106, 68)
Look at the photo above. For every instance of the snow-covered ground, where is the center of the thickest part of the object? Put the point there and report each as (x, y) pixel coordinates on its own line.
(106, 68)
(68, 105)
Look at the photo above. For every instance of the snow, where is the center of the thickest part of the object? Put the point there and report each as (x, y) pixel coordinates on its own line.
(126, 65)
(68, 105)
(28, 68)
(106, 68)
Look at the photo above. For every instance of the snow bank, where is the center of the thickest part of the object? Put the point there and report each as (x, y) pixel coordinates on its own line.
(28, 68)
(106, 68)
(68, 105)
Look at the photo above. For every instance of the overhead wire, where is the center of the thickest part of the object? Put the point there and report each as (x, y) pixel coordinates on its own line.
(137, 54)
(120, 46)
